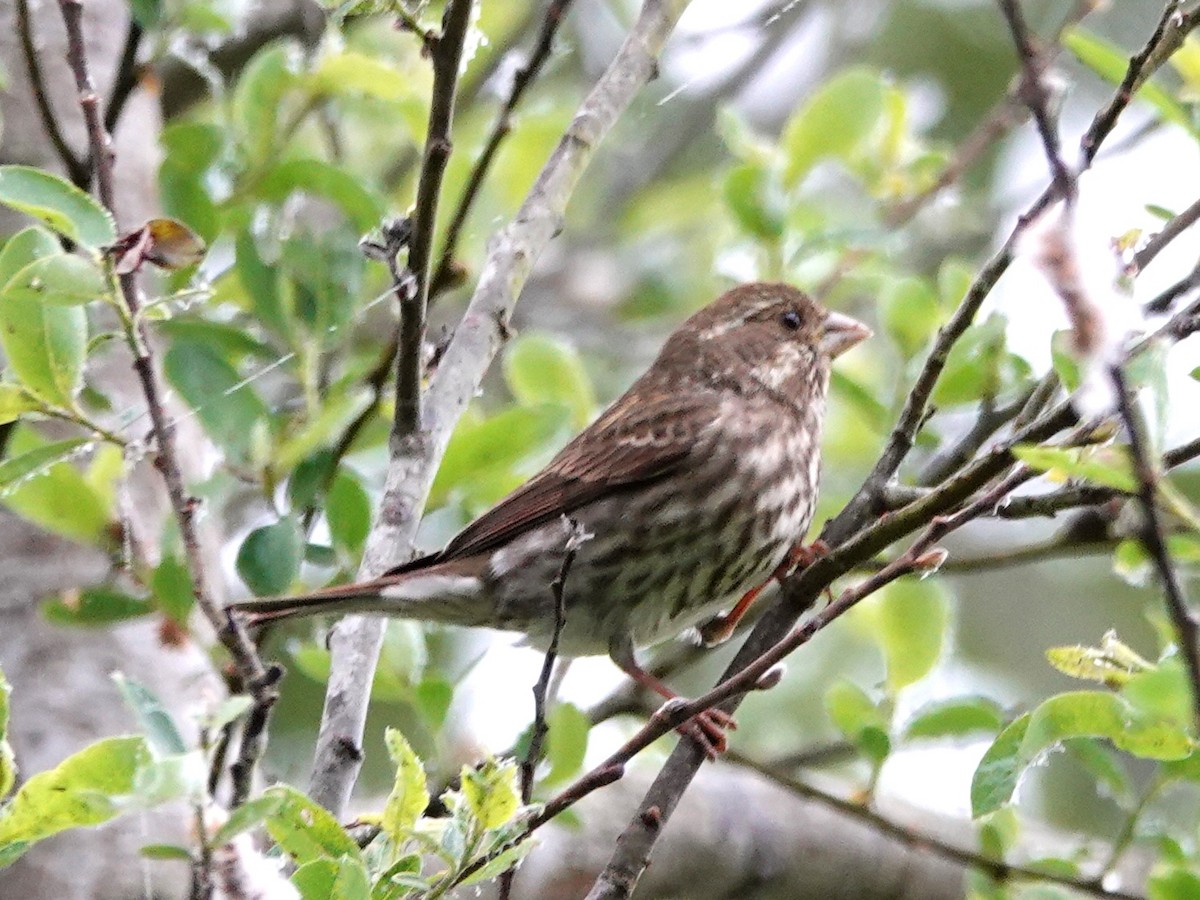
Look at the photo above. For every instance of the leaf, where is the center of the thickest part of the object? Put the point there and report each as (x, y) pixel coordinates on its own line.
(158, 726)
(249, 815)
(1102, 764)
(258, 97)
(1112, 663)
(434, 696)
(409, 795)
(355, 73)
(1110, 62)
(955, 718)
(314, 880)
(1173, 884)
(227, 407)
(910, 313)
(1161, 693)
(59, 204)
(859, 719)
(305, 830)
(996, 776)
(86, 788)
(755, 206)
(269, 558)
(1104, 466)
(834, 122)
(62, 279)
(320, 179)
(352, 881)
(501, 864)
(173, 590)
(165, 852)
(96, 607)
(567, 742)
(490, 791)
(38, 459)
(8, 760)
(348, 511)
(541, 369)
(912, 625)
(45, 345)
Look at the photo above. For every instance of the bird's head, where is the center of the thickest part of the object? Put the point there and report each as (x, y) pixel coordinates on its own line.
(772, 335)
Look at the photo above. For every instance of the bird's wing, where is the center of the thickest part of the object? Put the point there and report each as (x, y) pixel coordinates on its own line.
(638, 440)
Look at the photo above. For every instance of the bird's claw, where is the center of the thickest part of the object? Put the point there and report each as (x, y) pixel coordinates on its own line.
(707, 728)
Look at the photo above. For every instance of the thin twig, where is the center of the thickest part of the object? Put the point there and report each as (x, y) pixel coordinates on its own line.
(920, 840)
(356, 641)
(1171, 230)
(446, 55)
(78, 170)
(127, 76)
(556, 12)
(1153, 537)
(258, 680)
(541, 687)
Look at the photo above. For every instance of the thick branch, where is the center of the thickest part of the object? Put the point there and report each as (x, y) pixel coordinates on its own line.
(512, 252)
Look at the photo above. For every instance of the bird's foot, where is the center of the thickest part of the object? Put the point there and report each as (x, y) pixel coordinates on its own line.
(707, 728)
(720, 628)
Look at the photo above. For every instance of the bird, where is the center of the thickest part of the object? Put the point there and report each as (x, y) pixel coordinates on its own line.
(692, 490)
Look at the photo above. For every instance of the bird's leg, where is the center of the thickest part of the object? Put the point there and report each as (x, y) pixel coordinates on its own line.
(720, 628)
(707, 728)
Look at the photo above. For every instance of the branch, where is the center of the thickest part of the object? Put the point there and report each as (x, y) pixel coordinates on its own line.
(998, 869)
(78, 170)
(356, 641)
(1153, 537)
(556, 11)
(1175, 227)
(127, 76)
(258, 680)
(447, 54)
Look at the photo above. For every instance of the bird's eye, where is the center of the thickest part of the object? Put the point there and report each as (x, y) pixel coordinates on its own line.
(790, 320)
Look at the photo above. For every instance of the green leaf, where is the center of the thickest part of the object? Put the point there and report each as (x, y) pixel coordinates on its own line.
(996, 776)
(912, 625)
(305, 830)
(352, 881)
(567, 742)
(165, 852)
(8, 759)
(158, 726)
(37, 460)
(1103, 765)
(1161, 693)
(311, 176)
(348, 511)
(955, 718)
(249, 815)
(501, 864)
(258, 97)
(354, 73)
(541, 369)
(61, 279)
(269, 558)
(434, 696)
(910, 313)
(1110, 62)
(45, 345)
(96, 607)
(834, 123)
(87, 788)
(1174, 884)
(173, 590)
(409, 795)
(26, 246)
(1104, 466)
(490, 791)
(859, 719)
(227, 407)
(314, 880)
(59, 204)
(228, 711)
(15, 401)
(755, 206)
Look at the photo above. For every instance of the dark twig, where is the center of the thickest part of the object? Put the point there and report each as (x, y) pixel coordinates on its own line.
(446, 56)
(78, 170)
(1037, 97)
(260, 681)
(1167, 298)
(556, 12)
(920, 840)
(1171, 230)
(127, 77)
(990, 419)
(541, 687)
(1153, 536)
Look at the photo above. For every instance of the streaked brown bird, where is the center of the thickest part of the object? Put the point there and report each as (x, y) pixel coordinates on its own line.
(694, 487)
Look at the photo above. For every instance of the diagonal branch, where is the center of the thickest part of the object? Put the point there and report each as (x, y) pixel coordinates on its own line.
(512, 252)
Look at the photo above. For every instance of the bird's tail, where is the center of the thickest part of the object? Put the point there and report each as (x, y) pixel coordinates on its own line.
(426, 595)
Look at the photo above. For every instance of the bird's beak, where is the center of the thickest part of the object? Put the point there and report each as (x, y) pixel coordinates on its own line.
(839, 333)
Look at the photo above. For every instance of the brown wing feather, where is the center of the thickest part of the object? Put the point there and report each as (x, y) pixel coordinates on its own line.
(636, 441)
